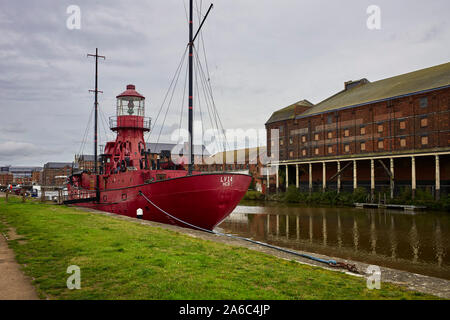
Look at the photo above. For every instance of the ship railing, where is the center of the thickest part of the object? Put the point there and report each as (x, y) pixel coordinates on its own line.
(79, 193)
(116, 122)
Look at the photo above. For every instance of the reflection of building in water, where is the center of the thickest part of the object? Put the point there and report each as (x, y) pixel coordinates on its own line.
(278, 225)
(324, 229)
(339, 231)
(393, 239)
(355, 234)
(373, 234)
(438, 243)
(287, 227)
(414, 240)
(238, 217)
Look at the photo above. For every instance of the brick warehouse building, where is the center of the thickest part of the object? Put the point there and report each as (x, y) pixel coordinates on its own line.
(385, 135)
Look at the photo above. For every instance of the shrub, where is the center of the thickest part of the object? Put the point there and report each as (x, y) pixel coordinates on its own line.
(253, 195)
(291, 195)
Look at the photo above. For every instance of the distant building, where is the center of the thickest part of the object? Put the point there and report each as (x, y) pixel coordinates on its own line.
(6, 178)
(36, 176)
(22, 175)
(85, 162)
(246, 160)
(56, 173)
(384, 135)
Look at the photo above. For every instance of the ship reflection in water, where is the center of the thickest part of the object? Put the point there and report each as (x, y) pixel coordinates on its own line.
(416, 242)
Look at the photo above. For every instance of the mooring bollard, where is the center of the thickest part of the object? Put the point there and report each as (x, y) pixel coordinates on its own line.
(139, 213)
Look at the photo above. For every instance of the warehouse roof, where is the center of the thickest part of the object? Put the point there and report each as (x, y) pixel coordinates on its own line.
(289, 111)
(57, 165)
(369, 92)
(249, 154)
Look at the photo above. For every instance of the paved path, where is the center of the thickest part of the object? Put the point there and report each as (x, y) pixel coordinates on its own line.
(13, 283)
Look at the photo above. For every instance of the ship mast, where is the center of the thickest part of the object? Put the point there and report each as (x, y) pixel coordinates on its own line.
(96, 91)
(191, 98)
(191, 93)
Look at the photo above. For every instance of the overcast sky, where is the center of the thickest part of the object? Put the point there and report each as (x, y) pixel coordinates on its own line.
(262, 55)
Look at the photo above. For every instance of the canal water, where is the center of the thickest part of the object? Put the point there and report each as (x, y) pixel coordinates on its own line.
(418, 242)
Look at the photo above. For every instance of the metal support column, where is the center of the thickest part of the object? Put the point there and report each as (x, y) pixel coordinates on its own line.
(297, 178)
(324, 176)
(355, 176)
(310, 178)
(287, 177)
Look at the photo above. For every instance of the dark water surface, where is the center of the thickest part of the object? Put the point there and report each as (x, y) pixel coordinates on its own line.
(418, 242)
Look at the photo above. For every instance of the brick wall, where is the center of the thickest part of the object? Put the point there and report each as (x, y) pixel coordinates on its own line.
(417, 123)
(402, 125)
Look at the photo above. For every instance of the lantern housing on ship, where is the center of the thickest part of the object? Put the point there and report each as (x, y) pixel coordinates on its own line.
(130, 111)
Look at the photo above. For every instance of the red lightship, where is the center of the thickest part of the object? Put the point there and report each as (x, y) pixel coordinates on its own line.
(125, 180)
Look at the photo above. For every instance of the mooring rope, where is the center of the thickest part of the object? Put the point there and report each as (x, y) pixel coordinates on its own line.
(332, 263)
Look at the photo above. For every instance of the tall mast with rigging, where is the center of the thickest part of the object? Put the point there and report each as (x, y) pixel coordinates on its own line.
(96, 91)
(191, 98)
(192, 38)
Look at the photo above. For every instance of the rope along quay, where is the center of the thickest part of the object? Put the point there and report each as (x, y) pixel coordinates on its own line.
(331, 263)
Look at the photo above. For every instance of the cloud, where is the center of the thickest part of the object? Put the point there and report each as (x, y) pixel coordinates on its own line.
(13, 149)
(262, 56)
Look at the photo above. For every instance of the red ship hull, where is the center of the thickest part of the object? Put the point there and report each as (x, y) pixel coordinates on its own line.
(203, 200)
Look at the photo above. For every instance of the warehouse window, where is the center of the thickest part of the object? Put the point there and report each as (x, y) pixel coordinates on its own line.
(380, 128)
(330, 119)
(402, 124)
(402, 142)
(291, 154)
(347, 147)
(304, 152)
(346, 133)
(316, 151)
(281, 142)
(424, 140)
(330, 134)
(363, 146)
(424, 122)
(424, 102)
(291, 141)
(303, 138)
(363, 130)
(316, 136)
(330, 149)
(380, 144)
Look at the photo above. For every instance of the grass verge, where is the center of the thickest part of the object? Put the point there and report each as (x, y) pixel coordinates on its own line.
(125, 260)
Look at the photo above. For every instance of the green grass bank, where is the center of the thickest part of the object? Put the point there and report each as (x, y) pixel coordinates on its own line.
(125, 260)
